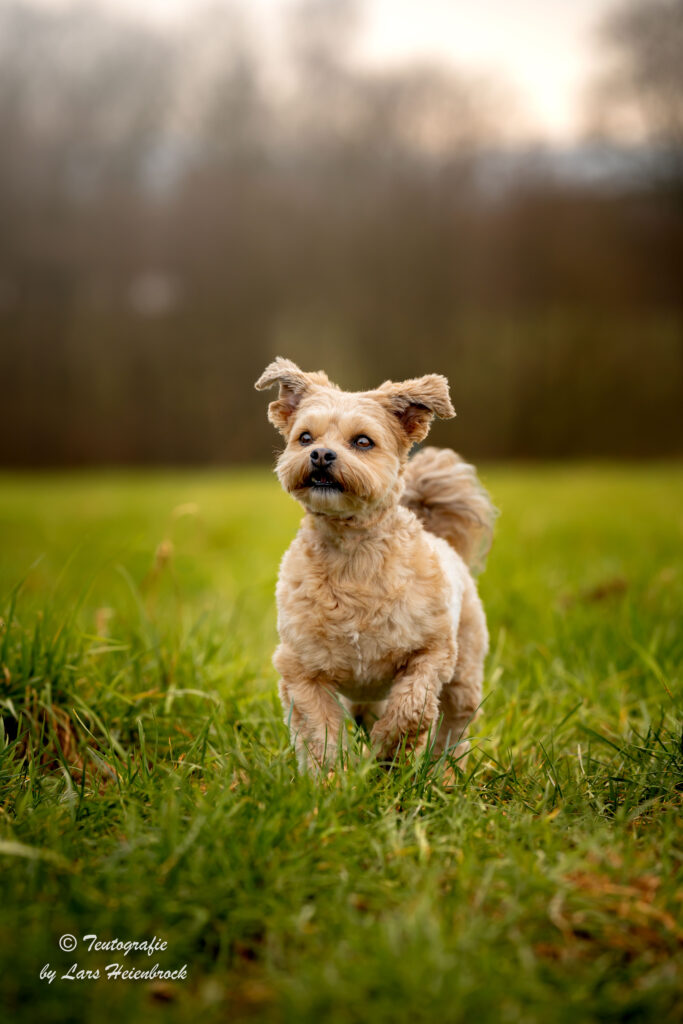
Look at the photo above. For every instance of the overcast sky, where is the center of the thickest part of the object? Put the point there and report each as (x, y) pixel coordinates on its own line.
(542, 48)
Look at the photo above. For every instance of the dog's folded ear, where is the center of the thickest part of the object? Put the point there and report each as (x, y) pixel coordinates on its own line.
(416, 402)
(294, 385)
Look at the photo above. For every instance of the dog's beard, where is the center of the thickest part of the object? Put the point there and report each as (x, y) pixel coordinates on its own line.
(335, 490)
(322, 480)
(324, 490)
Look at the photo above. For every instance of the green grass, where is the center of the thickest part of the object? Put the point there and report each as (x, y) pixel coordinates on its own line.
(147, 785)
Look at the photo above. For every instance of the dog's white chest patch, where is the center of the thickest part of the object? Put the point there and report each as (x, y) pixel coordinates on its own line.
(355, 641)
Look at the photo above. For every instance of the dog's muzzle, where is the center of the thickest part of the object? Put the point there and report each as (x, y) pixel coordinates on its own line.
(321, 476)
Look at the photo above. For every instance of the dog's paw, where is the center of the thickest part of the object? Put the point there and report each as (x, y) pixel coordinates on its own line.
(389, 743)
(384, 741)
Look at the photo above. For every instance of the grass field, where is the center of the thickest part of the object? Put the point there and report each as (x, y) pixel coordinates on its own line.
(148, 788)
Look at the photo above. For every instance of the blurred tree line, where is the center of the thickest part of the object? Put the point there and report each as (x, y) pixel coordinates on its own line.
(177, 207)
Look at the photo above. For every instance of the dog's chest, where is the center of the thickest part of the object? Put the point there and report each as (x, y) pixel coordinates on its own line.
(356, 622)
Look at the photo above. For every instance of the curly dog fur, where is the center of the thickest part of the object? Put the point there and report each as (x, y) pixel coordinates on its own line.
(378, 612)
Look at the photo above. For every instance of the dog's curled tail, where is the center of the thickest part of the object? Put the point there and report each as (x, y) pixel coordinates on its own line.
(444, 492)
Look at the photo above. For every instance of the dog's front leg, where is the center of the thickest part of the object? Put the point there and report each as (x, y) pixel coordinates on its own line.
(316, 721)
(314, 713)
(412, 709)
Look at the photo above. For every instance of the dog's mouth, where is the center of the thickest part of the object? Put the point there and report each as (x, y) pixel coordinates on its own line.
(322, 480)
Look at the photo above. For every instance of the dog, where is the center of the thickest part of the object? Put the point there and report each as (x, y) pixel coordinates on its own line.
(378, 612)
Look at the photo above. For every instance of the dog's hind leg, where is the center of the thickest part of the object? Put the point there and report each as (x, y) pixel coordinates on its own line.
(460, 699)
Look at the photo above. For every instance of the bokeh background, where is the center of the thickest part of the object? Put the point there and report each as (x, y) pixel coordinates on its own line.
(489, 190)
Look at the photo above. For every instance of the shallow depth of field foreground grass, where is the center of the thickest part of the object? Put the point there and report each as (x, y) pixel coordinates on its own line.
(147, 786)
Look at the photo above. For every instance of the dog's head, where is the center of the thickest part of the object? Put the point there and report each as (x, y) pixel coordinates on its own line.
(345, 450)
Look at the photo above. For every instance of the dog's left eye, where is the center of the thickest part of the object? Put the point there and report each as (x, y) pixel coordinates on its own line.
(363, 441)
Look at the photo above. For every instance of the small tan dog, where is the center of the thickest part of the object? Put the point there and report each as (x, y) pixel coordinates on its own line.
(378, 614)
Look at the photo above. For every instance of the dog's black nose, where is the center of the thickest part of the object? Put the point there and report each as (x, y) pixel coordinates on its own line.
(321, 457)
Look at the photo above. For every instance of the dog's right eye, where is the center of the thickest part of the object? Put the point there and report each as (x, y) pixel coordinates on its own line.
(305, 438)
